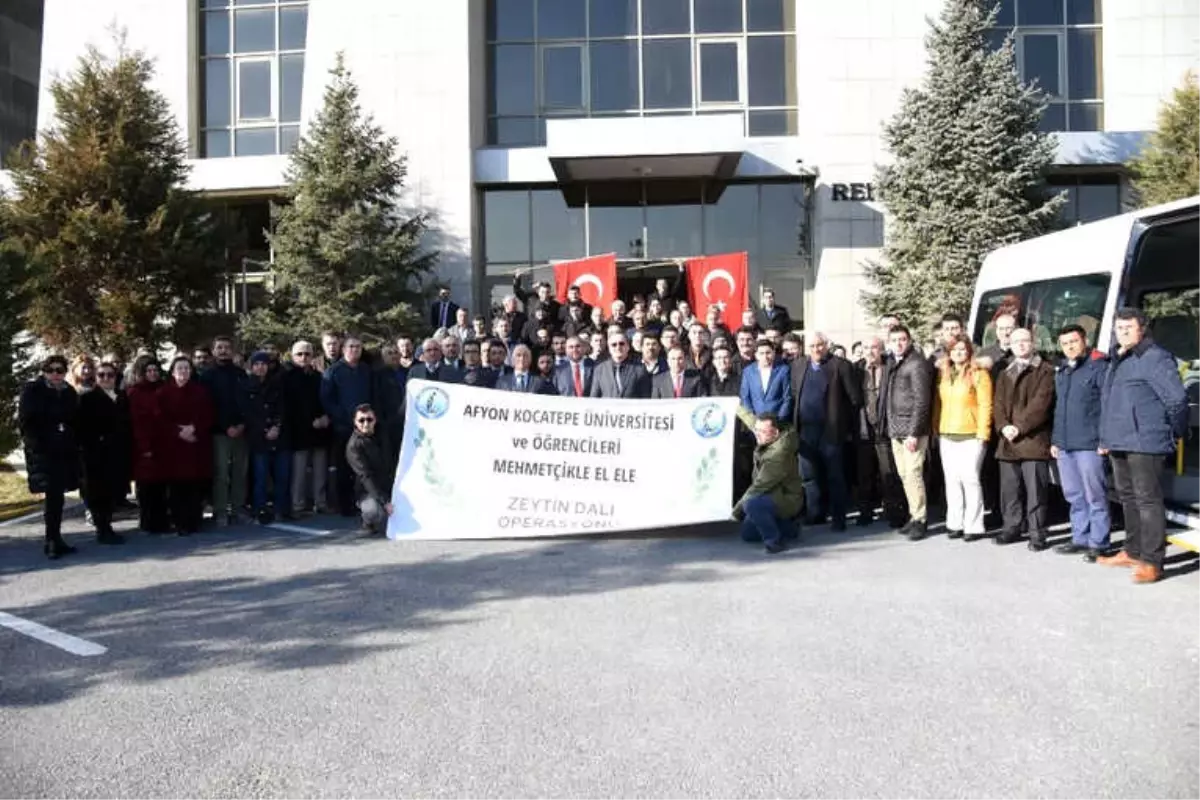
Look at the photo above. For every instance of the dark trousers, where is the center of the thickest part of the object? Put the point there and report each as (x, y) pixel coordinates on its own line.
(823, 473)
(1136, 479)
(743, 465)
(1023, 490)
(878, 483)
(989, 478)
(53, 513)
(186, 501)
(935, 479)
(272, 467)
(345, 476)
(154, 514)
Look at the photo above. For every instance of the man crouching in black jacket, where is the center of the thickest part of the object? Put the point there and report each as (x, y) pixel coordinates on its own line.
(367, 457)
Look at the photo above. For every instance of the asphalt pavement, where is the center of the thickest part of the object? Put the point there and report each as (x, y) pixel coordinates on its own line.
(254, 662)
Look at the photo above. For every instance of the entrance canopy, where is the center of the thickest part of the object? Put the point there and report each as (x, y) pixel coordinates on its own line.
(631, 148)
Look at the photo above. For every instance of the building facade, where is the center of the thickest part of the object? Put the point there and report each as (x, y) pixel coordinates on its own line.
(540, 130)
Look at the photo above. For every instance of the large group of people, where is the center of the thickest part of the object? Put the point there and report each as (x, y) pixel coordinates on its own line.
(879, 429)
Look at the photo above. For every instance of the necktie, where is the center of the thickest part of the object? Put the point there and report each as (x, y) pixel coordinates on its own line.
(578, 380)
(443, 315)
(678, 385)
(521, 382)
(617, 375)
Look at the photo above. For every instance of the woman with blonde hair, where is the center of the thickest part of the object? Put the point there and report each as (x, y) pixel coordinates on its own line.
(963, 421)
(83, 374)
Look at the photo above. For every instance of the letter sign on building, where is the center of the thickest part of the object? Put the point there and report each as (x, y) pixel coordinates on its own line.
(854, 192)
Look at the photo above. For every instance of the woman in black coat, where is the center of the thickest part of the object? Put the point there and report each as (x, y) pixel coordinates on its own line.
(106, 439)
(47, 415)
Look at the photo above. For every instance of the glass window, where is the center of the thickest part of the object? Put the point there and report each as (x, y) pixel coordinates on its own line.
(1045, 307)
(613, 18)
(513, 80)
(514, 131)
(254, 30)
(615, 219)
(995, 37)
(614, 71)
(731, 219)
(562, 77)
(1007, 14)
(216, 33)
(667, 68)
(254, 90)
(771, 70)
(1040, 12)
(217, 144)
(1174, 318)
(1083, 64)
(718, 16)
(1040, 62)
(289, 137)
(719, 80)
(673, 218)
(780, 122)
(1083, 12)
(291, 85)
(770, 15)
(218, 104)
(1098, 201)
(510, 20)
(293, 27)
(1085, 116)
(780, 211)
(557, 229)
(665, 16)
(506, 225)
(1054, 118)
(255, 142)
(562, 19)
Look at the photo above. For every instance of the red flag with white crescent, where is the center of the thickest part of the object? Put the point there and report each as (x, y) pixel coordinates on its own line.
(596, 277)
(722, 281)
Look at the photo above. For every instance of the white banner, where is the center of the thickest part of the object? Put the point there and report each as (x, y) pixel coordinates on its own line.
(478, 464)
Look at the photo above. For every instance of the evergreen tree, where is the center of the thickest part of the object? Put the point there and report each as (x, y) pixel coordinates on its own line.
(967, 174)
(117, 251)
(12, 339)
(346, 257)
(1169, 168)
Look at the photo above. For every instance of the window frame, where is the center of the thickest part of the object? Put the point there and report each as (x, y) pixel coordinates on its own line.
(581, 47)
(739, 43)
(1060, 36)
(238, 121)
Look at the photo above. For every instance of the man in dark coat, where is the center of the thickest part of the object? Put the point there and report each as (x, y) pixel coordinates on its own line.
(47, 415)
(619, 377)
(772, 315)
(877, 482)
(106, 439)
(523, 378)
(368, 459)
(433, 366)
(308, 426)
(540, 298)
(264, 407)
(443, 312)
(907, 406)
(1023, 416)
(225, 381)
(678, 381)
(1144, 411)
(573, 378)
(346, 384)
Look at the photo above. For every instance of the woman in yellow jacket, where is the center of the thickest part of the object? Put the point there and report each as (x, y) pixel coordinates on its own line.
(963, 422)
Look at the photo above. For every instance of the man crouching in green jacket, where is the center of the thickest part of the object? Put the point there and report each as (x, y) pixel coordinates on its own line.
(775, 498)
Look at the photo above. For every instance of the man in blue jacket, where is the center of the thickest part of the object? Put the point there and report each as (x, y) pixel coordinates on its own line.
(225, 382)
(1143, 411)
(346, 385)
(1075, 444)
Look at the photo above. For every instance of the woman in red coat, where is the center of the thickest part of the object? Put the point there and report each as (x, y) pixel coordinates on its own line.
(185, 418)
(143, 413)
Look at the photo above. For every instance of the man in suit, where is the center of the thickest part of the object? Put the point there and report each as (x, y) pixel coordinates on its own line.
(574, 378)
(539, 298)
(474, 373)
(522, 378)
(462, 326)
(507, 338)
(772, 315)
(826, 397)
(765, 387)
(678, 381)
(497, 356)
(432, 366)
(652, 358)
(619, 377)
(452, 352)
(444, 312)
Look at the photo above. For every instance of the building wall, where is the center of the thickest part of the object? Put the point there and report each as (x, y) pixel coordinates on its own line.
(20, 58)
(1149, 45)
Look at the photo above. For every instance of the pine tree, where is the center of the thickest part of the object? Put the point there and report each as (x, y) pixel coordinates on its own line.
(346, 257)
(117, 251)
(967, 174)
(1169, 168)
(12, 339)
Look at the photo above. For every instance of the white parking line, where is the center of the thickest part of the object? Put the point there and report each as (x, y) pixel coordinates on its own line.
(63, 641)
(283, 526)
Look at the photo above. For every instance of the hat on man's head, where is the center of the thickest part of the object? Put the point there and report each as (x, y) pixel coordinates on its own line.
(260, 357)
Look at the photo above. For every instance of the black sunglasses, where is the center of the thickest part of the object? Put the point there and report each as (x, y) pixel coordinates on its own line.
(365, 419)
(106, 374)
(55, 370)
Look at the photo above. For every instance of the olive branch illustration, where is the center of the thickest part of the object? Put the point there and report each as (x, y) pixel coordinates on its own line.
(431, 469)
(706, 472)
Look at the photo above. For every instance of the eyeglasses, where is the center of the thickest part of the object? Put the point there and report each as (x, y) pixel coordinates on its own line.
(103, 375)
(304, 353)
(618, 344)
(364, 420)
(55, 370)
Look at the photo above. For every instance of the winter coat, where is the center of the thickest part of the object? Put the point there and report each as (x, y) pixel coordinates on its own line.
(1077, 389)
(776, 473)
(263, 407)
(47, 418)
(368, 457)
(343, 389)
(106, 439)
(964, 407)
(190, 404)
(908, 400)
(1143, 405)
(143, 414)
(225, 383)
(302, 390)
(1025, 400)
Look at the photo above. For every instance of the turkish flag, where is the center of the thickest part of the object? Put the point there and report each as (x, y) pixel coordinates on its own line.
(595, 276)
(721, 281)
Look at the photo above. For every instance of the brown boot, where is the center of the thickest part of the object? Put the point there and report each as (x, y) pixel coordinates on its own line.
(1121, 559)
(1146, 573)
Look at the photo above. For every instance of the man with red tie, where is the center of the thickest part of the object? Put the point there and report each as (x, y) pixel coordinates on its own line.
(573, 378)
(678, 381)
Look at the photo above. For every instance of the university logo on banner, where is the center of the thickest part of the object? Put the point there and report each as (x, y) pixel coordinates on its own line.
(595, 276)
(719, 281)
(477, 463)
